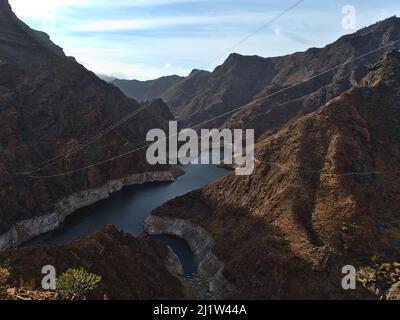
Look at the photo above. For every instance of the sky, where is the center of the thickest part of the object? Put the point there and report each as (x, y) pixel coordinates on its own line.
(147, 39)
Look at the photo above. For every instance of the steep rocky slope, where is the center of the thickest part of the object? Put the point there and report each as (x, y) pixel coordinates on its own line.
(324, 194)
(49, 104)
(174, 90)
(243, 79)
(177, 96)
(147, 90)
(131, 268)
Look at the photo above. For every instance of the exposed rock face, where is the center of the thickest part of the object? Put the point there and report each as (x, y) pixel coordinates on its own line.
(175, 91)
(324, 194)
(147, 90)
(243, 79)
(25, 230)
(50, 104)
(131, 268)
(209, 282)
(177, 96)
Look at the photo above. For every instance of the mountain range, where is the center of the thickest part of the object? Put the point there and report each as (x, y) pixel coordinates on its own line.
(147, 90)
(243, 80)
(324, 193)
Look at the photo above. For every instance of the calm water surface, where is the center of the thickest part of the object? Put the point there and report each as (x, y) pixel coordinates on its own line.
(129, 208)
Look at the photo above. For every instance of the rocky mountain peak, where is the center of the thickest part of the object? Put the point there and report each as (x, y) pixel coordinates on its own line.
(197, 71)
(243, 79)
(238, 60)
(389, 27)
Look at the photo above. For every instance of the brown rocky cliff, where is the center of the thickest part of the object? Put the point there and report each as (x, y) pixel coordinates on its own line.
(324, 194)
(173, 90)
(49, 104)
(177, 95)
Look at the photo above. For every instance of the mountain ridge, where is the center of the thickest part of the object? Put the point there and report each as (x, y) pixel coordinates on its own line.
(147, 90)
(49, 105)
(241, 80)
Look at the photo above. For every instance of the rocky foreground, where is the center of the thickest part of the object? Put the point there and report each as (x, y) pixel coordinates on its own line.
(131, 268)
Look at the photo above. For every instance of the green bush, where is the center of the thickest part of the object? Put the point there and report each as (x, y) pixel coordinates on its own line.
(4, 274)
(76, 283)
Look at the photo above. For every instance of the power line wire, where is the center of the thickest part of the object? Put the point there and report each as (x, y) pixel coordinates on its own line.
(48, 163)
(274, 19)
(222, 115)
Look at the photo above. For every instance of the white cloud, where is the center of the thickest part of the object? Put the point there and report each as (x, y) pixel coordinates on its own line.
(277, 31)
(44, 11)
(40, 9)
(140, 3)
(166, 21)
(112, 25)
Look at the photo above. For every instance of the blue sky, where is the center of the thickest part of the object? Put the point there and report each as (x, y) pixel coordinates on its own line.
(146, 39)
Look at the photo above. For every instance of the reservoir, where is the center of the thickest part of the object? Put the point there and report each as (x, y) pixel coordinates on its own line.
(128, 208)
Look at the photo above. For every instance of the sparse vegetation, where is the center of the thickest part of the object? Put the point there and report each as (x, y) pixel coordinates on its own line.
(379, 276)
(76, 283)
(4, 274)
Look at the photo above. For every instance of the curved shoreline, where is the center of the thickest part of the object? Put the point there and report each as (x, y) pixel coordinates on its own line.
(28, 229)
(209, 281)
